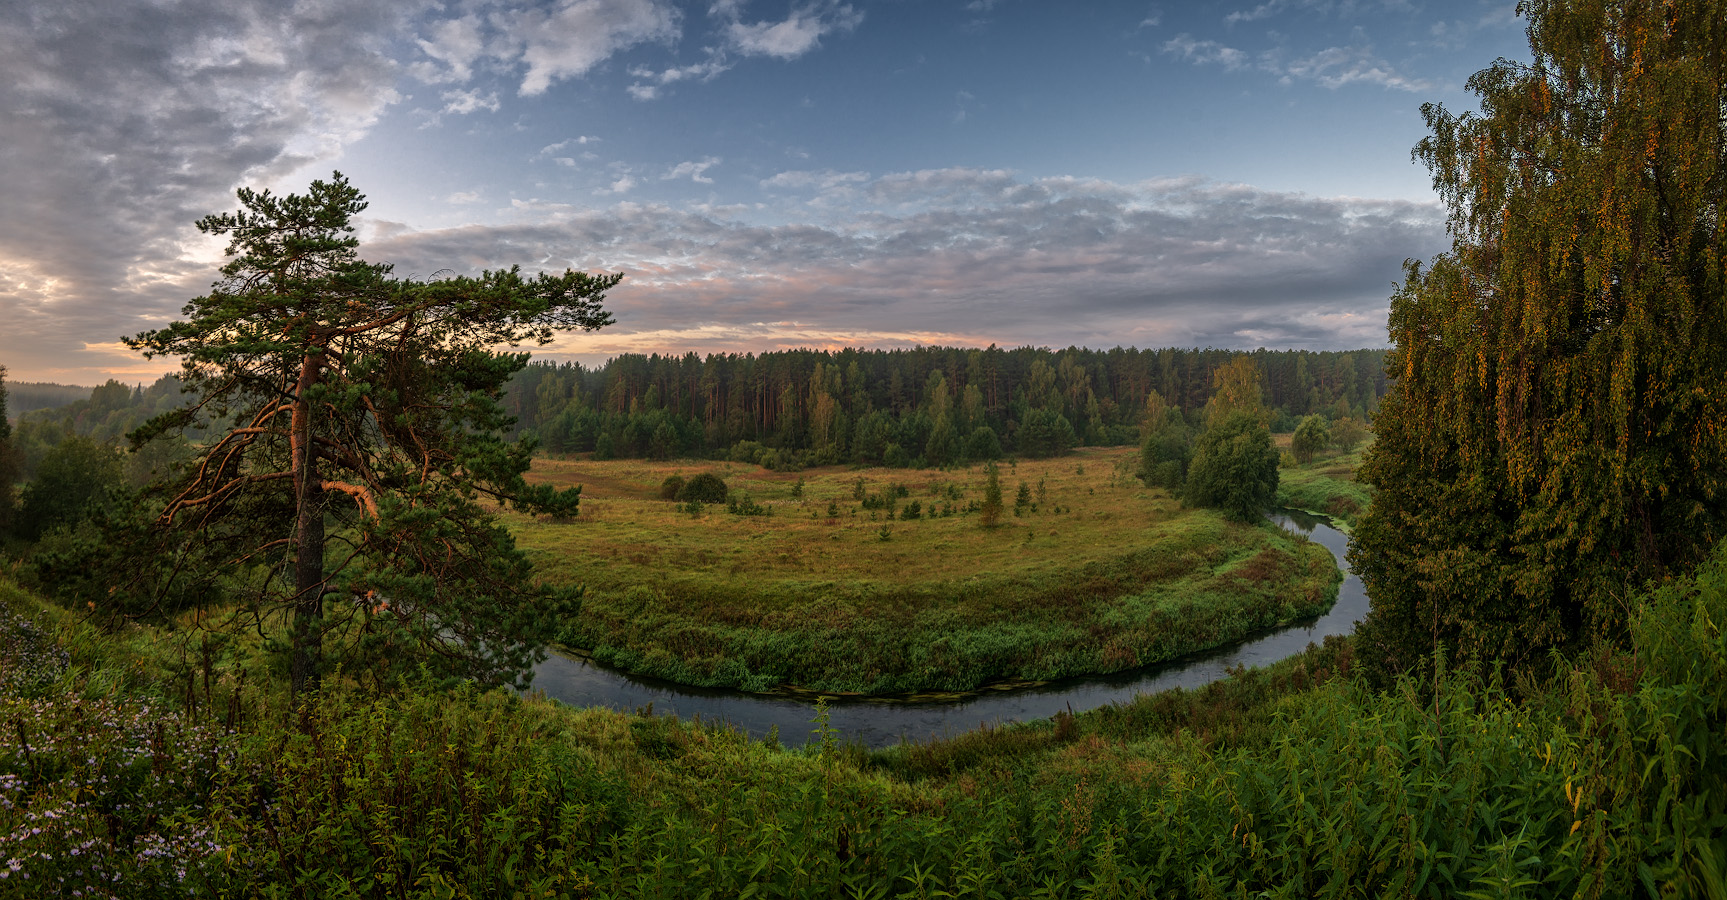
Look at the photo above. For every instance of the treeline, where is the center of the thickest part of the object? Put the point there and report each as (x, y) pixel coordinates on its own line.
(104, 415)
(929, 406)
(29, 396)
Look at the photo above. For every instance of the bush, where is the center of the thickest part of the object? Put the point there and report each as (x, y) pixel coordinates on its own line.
(671, 487)
(705, 487)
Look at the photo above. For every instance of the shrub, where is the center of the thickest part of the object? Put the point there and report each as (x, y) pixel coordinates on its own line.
(705, 487)
(671, 487)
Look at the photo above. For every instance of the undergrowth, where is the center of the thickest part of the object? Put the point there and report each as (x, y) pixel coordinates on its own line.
(1294, 781)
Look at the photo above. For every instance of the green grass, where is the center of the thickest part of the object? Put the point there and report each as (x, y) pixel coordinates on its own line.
(1326, 486)
(1099, 574)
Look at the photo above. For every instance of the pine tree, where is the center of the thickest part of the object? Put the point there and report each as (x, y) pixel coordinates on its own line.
(1553, 437)
(368, 423)
(992, 506)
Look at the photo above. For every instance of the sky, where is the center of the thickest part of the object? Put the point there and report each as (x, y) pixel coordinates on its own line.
(766, 174)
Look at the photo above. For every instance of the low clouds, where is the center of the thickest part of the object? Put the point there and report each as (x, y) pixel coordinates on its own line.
(543, 44)
(974, 256)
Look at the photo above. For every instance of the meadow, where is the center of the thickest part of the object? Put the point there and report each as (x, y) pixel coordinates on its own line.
(886, 581)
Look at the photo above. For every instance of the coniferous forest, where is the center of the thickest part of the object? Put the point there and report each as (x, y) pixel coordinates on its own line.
(930, 406)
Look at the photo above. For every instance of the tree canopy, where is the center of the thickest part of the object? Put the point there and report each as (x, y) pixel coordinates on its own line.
(1553, 437)
(1234, 467)
(351, 430)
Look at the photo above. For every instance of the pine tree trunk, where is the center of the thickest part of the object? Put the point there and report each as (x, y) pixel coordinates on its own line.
(308, 636)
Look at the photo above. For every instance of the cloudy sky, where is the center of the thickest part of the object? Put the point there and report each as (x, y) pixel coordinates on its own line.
(767, 174)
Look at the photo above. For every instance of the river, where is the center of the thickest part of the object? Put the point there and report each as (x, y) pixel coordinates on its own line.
(877, 723)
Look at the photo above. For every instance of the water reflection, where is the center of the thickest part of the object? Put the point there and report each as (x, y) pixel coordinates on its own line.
(876, 724)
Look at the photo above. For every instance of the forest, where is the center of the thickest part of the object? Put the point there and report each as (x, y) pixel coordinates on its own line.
(923, 407)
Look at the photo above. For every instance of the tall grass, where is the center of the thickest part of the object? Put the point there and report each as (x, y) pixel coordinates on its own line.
(1295, 781)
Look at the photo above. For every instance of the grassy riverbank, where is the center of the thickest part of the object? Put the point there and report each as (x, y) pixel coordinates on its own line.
(1326, 486)
(841, 589)
(1290, 781)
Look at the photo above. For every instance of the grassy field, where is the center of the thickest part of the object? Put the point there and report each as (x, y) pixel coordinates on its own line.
(1096, 573)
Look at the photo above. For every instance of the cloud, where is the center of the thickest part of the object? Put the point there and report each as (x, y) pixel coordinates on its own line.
(621, 185)
(975, 256)
(463, 102)
(1332, 67)
(825, 180)
(796, 35)
(547, 43)
(1335, 67)
(126, 122)
(453, 47)
(575, 35)
(464, 197)
(1207, 52)
(694, 171)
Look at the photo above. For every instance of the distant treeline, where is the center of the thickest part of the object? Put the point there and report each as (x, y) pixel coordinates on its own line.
(926, 406)
(29, 396)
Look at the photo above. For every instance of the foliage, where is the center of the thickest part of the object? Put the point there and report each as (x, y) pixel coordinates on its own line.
(1240, 387)
(1166, 452)
(982, 445)
(1044, 433)
(824, 408)
(1286, 781)
(1310, 437)
(79, 478)
(704, 487)
(1234, 468)
(745, 505)
(671, 487)
(1347, 434)
(1554, 433)
(367, 403)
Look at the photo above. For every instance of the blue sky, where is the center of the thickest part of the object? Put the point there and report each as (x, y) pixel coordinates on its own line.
(766, 174)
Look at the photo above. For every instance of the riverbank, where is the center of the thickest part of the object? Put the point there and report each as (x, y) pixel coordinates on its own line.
(843, 589)
(1326, 486)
